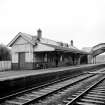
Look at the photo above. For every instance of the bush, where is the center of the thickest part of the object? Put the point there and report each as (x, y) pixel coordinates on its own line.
(4, 53)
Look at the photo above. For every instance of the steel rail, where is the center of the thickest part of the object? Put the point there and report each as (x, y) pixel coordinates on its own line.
(73, 101)
(40, 97)
(38, 87)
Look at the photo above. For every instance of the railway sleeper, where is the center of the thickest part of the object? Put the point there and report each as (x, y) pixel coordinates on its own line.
(84, 103)
(22, 98)
(92, 101)
(12, 102)
(70, 98)
(65, 101)
(103, 91)
(95, 95)
(96, 98)
(99, 93)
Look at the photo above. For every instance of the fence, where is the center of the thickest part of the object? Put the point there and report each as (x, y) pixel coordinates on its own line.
(5, 65)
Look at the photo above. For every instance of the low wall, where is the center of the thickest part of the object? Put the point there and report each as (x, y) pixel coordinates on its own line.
(15, 84)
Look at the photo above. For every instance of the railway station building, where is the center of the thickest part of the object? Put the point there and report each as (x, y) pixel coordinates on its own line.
(36, 52)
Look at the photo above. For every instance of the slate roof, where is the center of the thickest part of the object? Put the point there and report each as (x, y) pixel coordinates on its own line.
(33, 40)
(66, 49)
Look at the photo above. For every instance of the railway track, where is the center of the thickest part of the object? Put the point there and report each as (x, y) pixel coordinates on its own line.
(75, 98)
(33, 95)
(28, 96)
(93, 95)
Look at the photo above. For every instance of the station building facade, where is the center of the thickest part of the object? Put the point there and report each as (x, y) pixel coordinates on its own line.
(36, 52)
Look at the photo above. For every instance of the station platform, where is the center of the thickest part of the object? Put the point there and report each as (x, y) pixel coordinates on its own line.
(9, 75)
(16, 80)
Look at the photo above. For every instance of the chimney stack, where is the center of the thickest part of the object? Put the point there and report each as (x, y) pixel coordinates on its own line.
(39, 34)
(71, 42)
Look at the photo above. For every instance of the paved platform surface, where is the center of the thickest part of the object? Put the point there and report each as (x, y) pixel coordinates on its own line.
(5, 75)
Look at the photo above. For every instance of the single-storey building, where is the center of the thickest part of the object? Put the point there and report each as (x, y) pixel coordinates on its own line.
(34, 52)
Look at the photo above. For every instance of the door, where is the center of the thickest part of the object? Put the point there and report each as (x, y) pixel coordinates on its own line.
(22, 60)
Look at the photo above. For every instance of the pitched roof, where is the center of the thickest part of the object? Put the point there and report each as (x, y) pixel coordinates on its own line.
(25, 36)
(33, 40)
(66, 49)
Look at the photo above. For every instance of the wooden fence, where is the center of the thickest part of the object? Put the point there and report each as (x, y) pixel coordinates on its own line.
(5, 65)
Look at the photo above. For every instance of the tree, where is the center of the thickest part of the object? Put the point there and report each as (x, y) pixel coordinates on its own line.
(4, 53)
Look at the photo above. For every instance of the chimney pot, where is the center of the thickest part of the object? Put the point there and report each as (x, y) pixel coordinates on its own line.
(71, 42)
(39, 34)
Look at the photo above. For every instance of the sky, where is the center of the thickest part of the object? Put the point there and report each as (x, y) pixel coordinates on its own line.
(82, 21)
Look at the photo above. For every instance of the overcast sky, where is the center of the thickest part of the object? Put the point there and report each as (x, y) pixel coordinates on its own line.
(62, 20)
